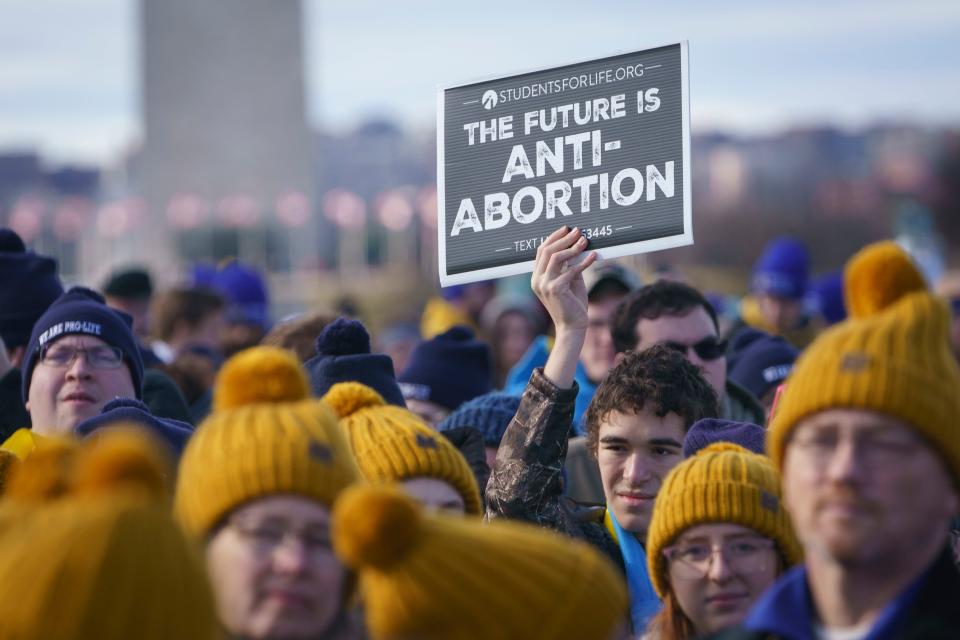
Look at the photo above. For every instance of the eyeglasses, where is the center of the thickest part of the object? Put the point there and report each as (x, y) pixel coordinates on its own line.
(266, 537)
(99, 357)
(743, 555)
(876, 451)
(710, 348)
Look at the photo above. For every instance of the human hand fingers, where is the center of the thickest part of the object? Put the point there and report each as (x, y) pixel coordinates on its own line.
(576, 270)
(557, 260)
(556, 241)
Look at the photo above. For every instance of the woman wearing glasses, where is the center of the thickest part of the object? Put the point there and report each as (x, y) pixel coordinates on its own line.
(257, 484)
(718, 538)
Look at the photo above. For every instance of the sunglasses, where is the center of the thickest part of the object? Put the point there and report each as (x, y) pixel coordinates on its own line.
(710, 348)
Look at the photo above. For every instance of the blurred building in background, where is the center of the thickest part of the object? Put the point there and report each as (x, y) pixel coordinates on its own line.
(229, 166)
(227, 157)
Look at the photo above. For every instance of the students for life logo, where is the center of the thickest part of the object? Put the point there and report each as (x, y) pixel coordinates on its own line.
(489, 99)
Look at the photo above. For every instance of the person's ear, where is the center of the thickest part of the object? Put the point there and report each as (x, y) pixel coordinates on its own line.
(617, 359)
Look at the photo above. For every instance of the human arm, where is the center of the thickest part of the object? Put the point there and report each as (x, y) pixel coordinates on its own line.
(526, 481)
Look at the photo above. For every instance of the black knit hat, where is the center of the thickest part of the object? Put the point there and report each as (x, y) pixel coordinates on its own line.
(129, 283)
(28, 286)
(343, 355)
(448, 369)
(82, 311)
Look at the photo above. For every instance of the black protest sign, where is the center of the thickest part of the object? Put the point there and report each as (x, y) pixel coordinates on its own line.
(602, 145)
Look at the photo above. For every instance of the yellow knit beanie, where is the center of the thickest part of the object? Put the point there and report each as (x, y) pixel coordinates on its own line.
(280, 441)
(726, 484)
(891, 356)
(392, 444)
(88, 548)
(435, 576)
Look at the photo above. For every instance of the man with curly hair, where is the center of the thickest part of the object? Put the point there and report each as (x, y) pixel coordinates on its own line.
(636, 424)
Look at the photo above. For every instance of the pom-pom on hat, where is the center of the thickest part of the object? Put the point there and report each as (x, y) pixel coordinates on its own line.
(280, 441)
(260, 375)
(783, 269)
(107, 539)
(392, 444)
(434, 576)
(82, 311)
(448, 370)
(28, 286)
(722, 483)
(343, 355)
(490, 414)
(892, 356)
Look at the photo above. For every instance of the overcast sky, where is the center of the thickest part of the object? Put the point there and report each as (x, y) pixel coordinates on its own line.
(69, 85)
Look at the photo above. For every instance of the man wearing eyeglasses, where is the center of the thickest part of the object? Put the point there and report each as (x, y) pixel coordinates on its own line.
(865, 438)
(678, 316)
(81, 355)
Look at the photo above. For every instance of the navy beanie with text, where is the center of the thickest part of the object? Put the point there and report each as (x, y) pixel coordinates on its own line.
(84, 312)
(448, 370)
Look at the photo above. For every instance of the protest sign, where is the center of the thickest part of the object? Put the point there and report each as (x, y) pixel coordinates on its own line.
(602, 145)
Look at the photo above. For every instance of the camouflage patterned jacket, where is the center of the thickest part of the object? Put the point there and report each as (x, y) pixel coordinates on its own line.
(527, 479)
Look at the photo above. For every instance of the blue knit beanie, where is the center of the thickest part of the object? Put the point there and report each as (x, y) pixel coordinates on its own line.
(28, 286)
(490, 414)
(448, 369)
(82, 311)
(126, 410)
(827, 297)
(710, 430)
(343, 355)
(246, 293)
(783, 269)
(759, 362)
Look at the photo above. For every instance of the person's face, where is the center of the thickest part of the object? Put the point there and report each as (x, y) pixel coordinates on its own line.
(430, 412)
(138, 309)
(863, 488)
(598, 353)
(435, 494)
(63, 396)
(477, 295)
(688, 329)
(716, 591)
(210, 331)
(781, 313)
(635, 452)
(274, 572)
(514, 335)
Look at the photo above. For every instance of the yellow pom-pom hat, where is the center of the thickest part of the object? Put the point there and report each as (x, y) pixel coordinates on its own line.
(392, 444)
(88, 548)
(265, 437)
(891, 356)
(435, 576)
(722, 484)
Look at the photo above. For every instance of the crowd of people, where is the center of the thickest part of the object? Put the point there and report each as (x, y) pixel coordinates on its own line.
(602, 458)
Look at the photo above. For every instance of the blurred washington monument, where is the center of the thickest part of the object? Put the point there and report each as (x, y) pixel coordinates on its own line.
(227, 154)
